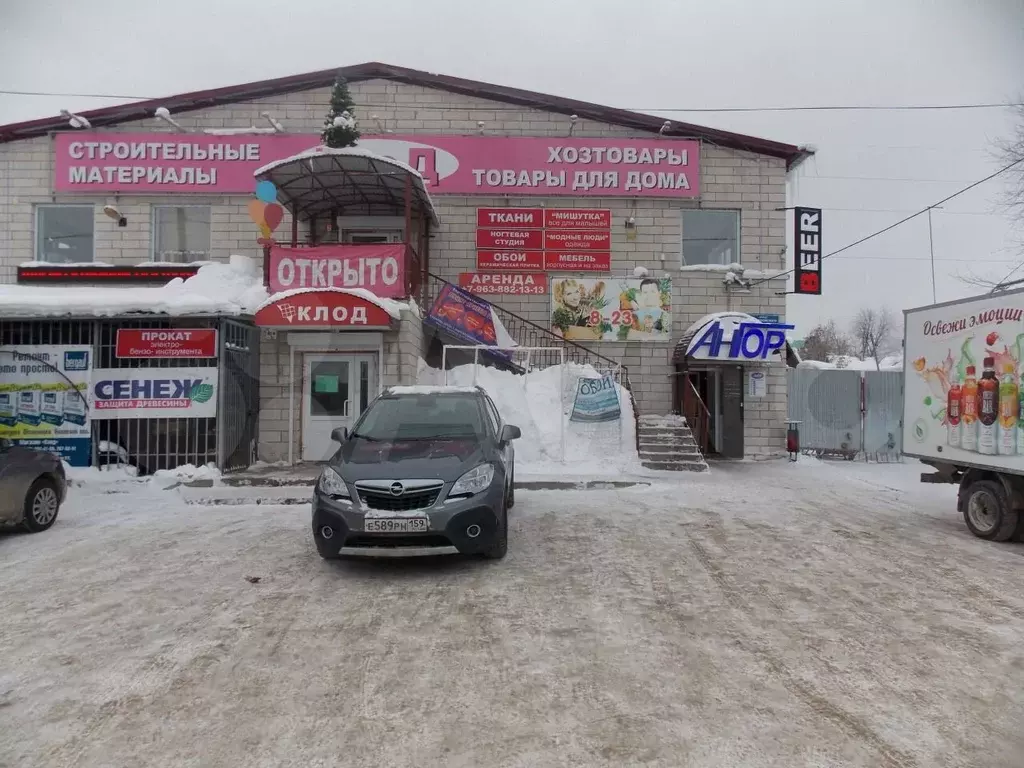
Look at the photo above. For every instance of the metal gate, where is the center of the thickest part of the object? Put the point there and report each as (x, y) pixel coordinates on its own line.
(239, 405)
(149, 444)
(827, 405)
(843, 412)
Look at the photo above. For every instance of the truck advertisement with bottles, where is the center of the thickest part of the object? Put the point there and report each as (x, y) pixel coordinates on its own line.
(963, 405)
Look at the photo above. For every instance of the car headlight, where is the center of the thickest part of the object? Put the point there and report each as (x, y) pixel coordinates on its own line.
(331, 484)
(476, 480)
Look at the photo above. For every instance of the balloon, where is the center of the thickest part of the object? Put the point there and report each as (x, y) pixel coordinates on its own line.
(266, 191)
(265, 231)
(272, 215)
(257, 209)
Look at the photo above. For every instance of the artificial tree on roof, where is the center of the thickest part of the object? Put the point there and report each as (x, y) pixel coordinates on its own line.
(340, 124)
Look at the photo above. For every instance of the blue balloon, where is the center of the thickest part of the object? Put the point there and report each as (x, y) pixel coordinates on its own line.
(266, 191)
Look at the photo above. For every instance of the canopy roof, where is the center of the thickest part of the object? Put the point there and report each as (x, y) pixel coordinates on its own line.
(349, 180)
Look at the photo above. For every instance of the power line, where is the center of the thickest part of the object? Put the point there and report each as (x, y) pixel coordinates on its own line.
(789, 108)
(921, 212)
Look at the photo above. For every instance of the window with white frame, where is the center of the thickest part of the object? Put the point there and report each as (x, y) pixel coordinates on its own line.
(711, 236)
(181, 233)
(64, 233)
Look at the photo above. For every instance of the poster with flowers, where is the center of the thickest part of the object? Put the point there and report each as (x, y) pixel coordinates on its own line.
(612, 309)
(963, 393)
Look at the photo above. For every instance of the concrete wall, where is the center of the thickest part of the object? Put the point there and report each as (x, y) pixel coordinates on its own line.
(750, 183)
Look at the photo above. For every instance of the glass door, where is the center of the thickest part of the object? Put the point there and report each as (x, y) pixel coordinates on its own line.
(336, 388)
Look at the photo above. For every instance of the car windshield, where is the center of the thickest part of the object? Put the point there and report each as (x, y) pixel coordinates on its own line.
(421, 417)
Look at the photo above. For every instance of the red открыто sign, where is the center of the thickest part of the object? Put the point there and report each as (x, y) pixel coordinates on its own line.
(166, 342)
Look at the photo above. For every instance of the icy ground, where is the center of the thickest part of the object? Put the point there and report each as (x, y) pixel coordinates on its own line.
(768, 614)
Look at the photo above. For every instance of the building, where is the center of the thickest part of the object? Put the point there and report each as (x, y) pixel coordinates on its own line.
(614, 230)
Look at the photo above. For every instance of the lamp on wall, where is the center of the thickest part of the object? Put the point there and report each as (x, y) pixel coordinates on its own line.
(115, 214)
(76, 121)
(665, 127)
(278, 128)
(572, 123)
(480, 127)
(162, 113)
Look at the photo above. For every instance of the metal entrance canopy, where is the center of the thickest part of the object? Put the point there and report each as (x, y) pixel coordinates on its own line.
(326, 181)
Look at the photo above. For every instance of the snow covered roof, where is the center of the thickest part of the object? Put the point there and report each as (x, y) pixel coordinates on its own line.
(235, 288)
(322, 179)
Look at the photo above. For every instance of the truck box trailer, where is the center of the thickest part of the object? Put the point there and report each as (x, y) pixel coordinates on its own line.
(963, 405)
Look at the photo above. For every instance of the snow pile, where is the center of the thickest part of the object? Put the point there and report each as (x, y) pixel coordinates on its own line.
(109, 474)
(538, 403)
(235, 288)
(184, 473)
(850, 363)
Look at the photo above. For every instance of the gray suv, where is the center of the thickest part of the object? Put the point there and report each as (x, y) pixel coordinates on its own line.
(425, 470)
(32, 486)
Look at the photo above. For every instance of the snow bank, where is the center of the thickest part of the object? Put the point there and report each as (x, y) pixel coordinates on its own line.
(538, 403)
(235, 288)
(849, 363)
(165, 477)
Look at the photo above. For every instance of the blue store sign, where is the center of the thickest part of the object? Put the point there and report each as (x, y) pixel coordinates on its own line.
(735, 339)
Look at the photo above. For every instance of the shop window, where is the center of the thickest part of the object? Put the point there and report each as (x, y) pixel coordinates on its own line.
(368, 236)
(711, 237)
(64, 233)
(181, 233)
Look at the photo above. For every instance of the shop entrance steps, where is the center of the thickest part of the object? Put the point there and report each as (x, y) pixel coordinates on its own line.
(666, 442)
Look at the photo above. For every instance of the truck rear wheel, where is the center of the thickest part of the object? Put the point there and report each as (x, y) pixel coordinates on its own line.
(987, 511)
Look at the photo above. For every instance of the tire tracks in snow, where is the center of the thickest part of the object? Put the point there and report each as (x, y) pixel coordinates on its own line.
(761, 648)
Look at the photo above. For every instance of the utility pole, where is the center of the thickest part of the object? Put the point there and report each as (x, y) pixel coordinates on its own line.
(931, 250)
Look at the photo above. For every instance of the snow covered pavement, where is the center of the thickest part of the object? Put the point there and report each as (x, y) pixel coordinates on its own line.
(764, 614)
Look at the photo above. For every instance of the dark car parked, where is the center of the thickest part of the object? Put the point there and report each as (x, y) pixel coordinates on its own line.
(32, 487)
(425, 470)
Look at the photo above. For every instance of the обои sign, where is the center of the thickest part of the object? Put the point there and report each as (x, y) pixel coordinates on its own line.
(458, 165)
(748, 341)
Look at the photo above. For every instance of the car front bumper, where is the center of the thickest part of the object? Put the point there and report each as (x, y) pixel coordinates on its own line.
(450, 525)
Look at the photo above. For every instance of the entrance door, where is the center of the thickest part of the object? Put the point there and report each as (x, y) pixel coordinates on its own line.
(336, 389)
(732, 412)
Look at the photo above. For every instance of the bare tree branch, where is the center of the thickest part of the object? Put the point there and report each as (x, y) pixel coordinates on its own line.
(873, 331)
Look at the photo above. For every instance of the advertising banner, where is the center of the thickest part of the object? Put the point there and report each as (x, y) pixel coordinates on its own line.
(577, 261)
(520, 218)
(44, 399)
(465, 317)
(735, 336)
(378, 267)
(596, 400)
(586, 240)
(166, 342)
(577, 218)
(626, 309)
(507, 283)
(807, 240)
(510, 239)
(169, 163)
(154, 393)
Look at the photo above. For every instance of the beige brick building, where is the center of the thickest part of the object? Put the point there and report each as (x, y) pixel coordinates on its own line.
(737, 217)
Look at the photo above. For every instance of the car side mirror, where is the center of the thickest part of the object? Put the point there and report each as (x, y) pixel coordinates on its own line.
(510, 432)
(339, 434)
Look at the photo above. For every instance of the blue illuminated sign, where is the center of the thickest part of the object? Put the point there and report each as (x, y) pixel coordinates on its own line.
(750, 341)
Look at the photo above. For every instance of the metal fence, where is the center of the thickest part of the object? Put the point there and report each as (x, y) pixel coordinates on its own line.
(149, 444)
(847, 413)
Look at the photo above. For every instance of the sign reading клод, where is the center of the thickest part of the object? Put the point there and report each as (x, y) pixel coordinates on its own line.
(166, 342)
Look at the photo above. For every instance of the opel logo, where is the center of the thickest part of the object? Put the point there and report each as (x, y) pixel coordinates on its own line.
(397, 489)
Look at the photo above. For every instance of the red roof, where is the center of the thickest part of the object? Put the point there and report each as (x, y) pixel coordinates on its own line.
(375, 70)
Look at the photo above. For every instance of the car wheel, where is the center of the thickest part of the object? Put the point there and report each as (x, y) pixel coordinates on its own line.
(41, 505)
(500, 547)
(987, 511)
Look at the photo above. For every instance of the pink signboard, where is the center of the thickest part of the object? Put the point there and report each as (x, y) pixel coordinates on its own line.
(458, 165)
(379, 268)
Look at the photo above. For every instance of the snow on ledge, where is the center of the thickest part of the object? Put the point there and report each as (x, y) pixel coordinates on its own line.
(737, 269)
(323, 151)
(423, 389)
(392, 307)
(235, 288)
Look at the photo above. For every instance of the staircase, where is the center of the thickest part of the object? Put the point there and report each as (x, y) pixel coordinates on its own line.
(666, 442)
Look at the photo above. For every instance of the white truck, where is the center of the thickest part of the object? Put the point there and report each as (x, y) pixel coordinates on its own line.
(963, 405)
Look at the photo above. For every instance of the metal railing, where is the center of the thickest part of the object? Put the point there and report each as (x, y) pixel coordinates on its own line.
(697, 415)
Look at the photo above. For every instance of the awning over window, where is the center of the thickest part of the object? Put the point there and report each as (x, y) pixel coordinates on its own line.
(346, 181)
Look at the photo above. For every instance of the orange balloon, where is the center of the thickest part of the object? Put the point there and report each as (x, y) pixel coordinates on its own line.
(256, 210)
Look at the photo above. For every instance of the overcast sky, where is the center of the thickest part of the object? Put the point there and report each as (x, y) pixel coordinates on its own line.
(872, 168)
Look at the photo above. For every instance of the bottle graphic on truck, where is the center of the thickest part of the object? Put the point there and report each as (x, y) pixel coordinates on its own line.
(953, 415)
(1009, 405)
(969, 412)
(988, 408)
